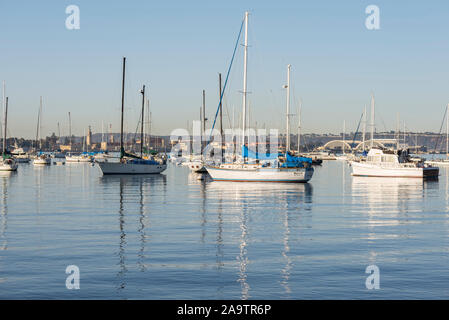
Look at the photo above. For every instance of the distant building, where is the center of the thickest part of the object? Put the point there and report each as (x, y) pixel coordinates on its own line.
(65, 147)
(104, 146)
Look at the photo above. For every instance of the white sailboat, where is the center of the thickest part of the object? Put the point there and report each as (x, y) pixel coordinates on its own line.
(396, 164)
(197, 165)
(389, 163)
(131, 164)
(83, 157)
(41, 158)
(274, 169)
(7, 162)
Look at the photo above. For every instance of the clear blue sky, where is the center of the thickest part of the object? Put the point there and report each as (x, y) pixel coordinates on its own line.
(177, 49)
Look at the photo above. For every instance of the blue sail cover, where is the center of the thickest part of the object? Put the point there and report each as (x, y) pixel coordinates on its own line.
(255, 155)
(294, 162)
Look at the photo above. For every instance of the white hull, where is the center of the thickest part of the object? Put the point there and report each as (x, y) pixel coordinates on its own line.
(44, 162)
(256, 173)
(370, 170)
(78, 159)
(130, 168)
(8, 166)
(197, 167)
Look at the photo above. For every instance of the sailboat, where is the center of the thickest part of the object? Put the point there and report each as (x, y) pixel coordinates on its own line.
(274, 167)
(443, 162)
(390, 163)
(7, 163)
(197, 164)
(41, 158)
(129, 163)
(83, 157)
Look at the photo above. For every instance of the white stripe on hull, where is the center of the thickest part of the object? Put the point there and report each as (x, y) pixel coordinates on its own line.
(261, 174)
(367, 170)
(130, 168)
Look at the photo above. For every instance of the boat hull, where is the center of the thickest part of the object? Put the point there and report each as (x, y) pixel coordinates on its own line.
(42, 162)
(8, 166)
(260, 174)
(130, 168)
(197, 167)
(368, 170)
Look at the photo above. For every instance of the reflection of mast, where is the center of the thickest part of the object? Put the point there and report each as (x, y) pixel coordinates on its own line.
(203, 210)
(141, 229)
(122, 243)
(4, 216)
(288, 265)
(243, 258)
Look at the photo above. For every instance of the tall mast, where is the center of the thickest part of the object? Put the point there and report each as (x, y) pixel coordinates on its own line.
(447, 131)
(40, 124)
(245, 70)
(299, 124)
(372, 120)
(398, 131)
(70, 132)
(148, 125)
(364, 129)
(344, 133)
(6, 123)
(3, 99)
(84, 138)
(221, 117)
(37, 127)
(287, 134)
(102, 131)
(141, 127)
(122, 150)
(203, 121)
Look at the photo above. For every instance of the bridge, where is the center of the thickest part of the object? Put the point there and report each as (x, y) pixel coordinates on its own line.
(334, 144)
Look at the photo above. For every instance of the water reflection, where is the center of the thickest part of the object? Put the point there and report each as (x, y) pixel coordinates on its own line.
(132, 187)
(245, 197)
(4, 176)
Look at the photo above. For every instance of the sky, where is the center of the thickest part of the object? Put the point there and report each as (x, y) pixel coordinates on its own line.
(177, 48)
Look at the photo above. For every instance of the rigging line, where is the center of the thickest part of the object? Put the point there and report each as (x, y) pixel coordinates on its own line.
(227, 76)
(439, 133)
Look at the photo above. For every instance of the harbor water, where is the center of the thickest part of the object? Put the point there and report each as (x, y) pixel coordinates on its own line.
(177, 236)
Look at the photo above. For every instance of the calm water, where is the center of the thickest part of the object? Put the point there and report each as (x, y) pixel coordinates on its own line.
(176, 237)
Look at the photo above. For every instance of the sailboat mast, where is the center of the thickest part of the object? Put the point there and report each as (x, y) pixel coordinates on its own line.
(37, 126)
(203, 120)
(447, 131)
(6, 123)
(221, 118)
(245, 71)
(344, 135)
(70, 132)
(3, 99)
(372, 120)
(299, 124)
(40, 124)
(122, 150)
(364, 129)
(141, 127)
(287, 134)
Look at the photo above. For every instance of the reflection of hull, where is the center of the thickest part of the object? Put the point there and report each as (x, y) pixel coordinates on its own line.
(370, 170)
(254, 173)
(130, 168)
